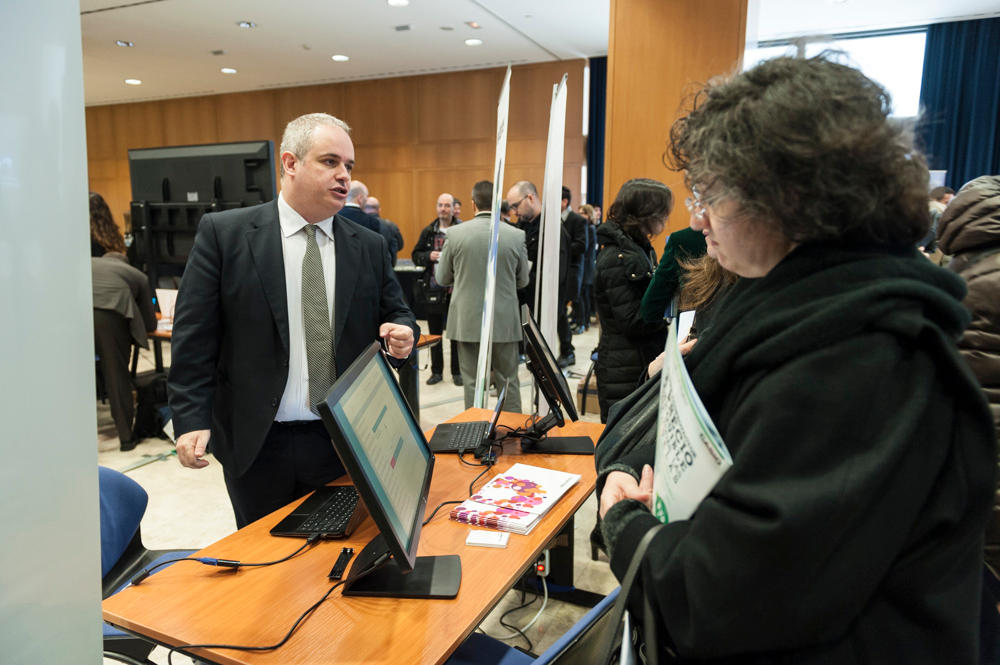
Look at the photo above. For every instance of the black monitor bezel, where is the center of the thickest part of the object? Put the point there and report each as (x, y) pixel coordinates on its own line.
(405, 555)
(542, 364)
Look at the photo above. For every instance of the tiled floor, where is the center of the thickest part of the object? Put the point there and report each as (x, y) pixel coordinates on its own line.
(190, 508)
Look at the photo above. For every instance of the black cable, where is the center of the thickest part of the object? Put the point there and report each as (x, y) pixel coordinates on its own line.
(487, 468)
(302, 617)
(440, 505)
(221, 563)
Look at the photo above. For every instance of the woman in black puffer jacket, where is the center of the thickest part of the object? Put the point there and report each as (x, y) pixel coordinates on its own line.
(625, 265)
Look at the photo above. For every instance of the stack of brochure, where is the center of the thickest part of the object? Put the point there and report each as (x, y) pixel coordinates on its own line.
(515, 500)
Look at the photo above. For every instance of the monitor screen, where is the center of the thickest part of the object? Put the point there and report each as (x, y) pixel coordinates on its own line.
(551, 382)
(381, 445)
(233, 172)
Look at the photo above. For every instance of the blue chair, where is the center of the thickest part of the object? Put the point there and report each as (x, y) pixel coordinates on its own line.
(123, 503)
(580, 644)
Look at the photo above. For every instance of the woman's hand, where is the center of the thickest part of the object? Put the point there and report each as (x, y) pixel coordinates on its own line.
(620, 485)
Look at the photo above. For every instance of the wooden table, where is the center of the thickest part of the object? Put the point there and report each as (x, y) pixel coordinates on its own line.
(189, 603)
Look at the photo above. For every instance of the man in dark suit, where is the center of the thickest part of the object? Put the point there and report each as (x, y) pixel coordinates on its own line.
(356, 196)
(576, 226)
(253, 346)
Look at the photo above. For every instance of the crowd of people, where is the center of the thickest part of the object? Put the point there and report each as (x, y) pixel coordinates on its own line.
(842, 368)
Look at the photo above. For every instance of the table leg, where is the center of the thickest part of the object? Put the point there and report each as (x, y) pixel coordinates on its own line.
(408, 373)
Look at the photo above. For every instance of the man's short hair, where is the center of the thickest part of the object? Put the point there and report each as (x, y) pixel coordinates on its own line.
(525, 187)
(482, 195)
(567, 195)
(939, 193)
(297, 138)
(358, 192)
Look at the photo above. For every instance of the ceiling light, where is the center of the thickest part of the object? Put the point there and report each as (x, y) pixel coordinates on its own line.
(219, 51)
(227, 70)
(247, 24)
(472, 24)
(133, 82)
(339, 58)
(447, 28)
(124, 42)
(473, 42)
(402, 28)
(397, 3)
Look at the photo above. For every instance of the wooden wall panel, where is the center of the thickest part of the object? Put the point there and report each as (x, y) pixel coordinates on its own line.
(415, 137)
(658, 54)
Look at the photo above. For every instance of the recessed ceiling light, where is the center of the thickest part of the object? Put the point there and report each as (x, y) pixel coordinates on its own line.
(247, 24)
(340, 58)
(402, 28)
(473, 42)
(124, 42)
(219, 51)
(397, 3)
(473, 24)
(133, 82)
(447, 28)
(227, 70)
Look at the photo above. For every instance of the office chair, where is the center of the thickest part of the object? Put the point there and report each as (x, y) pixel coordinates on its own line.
(123, 503)
(579, 644)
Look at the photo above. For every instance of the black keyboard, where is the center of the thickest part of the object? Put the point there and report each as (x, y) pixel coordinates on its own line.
(467, 435)
(331, 516)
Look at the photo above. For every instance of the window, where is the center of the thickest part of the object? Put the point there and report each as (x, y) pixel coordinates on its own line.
(896, 61)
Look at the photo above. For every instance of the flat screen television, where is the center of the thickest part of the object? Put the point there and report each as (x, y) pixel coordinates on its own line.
(384, 450)
(173, 187)
(231, 172)
(554, 389)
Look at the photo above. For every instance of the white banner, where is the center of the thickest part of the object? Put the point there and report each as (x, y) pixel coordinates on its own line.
(486, 331)
(547, 305)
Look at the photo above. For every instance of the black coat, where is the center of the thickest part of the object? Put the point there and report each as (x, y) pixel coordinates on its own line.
(849, 528)
(230, 343)
(627, 343)
(531, 228)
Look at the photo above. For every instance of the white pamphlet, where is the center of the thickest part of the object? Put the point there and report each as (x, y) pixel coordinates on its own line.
(690, 454)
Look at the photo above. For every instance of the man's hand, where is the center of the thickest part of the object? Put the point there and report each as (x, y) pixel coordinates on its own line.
(398, 339)
(191, 448)
(435, 255)
(620, 485)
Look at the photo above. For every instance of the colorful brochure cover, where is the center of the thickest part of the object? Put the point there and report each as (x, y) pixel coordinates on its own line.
(514, 500)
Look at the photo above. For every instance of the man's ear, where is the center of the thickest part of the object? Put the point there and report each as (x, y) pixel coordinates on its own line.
(288, 162)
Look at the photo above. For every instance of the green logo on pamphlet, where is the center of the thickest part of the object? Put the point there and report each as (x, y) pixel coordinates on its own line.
(660, 510)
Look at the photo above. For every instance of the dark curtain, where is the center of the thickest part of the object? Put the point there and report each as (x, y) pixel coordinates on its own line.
(595, 130)
(960, 99)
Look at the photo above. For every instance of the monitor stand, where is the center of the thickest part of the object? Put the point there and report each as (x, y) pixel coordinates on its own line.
(534, 439)
(431, 577)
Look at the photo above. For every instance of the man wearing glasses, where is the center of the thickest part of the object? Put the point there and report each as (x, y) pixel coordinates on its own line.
(525, 202)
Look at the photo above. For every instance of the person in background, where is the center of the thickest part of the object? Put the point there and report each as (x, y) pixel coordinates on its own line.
(426, 253)
(939, 199)
(582, 312)
(850, 527)
(682, 245)
(969, 231)
(576, 227)
(463, 264)
(356, 197)
(389, 230)
(625, 266)
(505, 211)
(456, 209)
(527, 205)
(123, 314)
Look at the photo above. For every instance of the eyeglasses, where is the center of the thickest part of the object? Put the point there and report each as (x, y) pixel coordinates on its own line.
(695, 205)
(515, 206)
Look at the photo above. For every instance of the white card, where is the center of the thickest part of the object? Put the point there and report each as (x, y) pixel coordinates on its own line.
(487, 538)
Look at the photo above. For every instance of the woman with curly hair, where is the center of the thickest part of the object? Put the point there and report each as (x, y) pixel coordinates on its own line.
(625, 265)
(850, 527)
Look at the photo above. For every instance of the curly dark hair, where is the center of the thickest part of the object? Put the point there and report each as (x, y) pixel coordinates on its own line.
(806, 145)
(104, 233)
(639, 205)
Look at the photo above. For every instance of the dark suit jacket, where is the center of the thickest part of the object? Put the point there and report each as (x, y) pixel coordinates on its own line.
(576, 226)
(229, 361)
(361, 217)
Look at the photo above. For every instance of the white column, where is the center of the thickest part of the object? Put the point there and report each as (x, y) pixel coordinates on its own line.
(50, 560)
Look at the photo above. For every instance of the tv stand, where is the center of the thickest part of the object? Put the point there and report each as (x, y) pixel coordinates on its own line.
(431, 577)
(536, 440)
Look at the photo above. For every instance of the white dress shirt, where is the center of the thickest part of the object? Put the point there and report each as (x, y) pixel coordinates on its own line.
(295, 400)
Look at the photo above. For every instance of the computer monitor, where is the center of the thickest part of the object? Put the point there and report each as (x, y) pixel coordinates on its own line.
(552, 385)
(384, 450)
